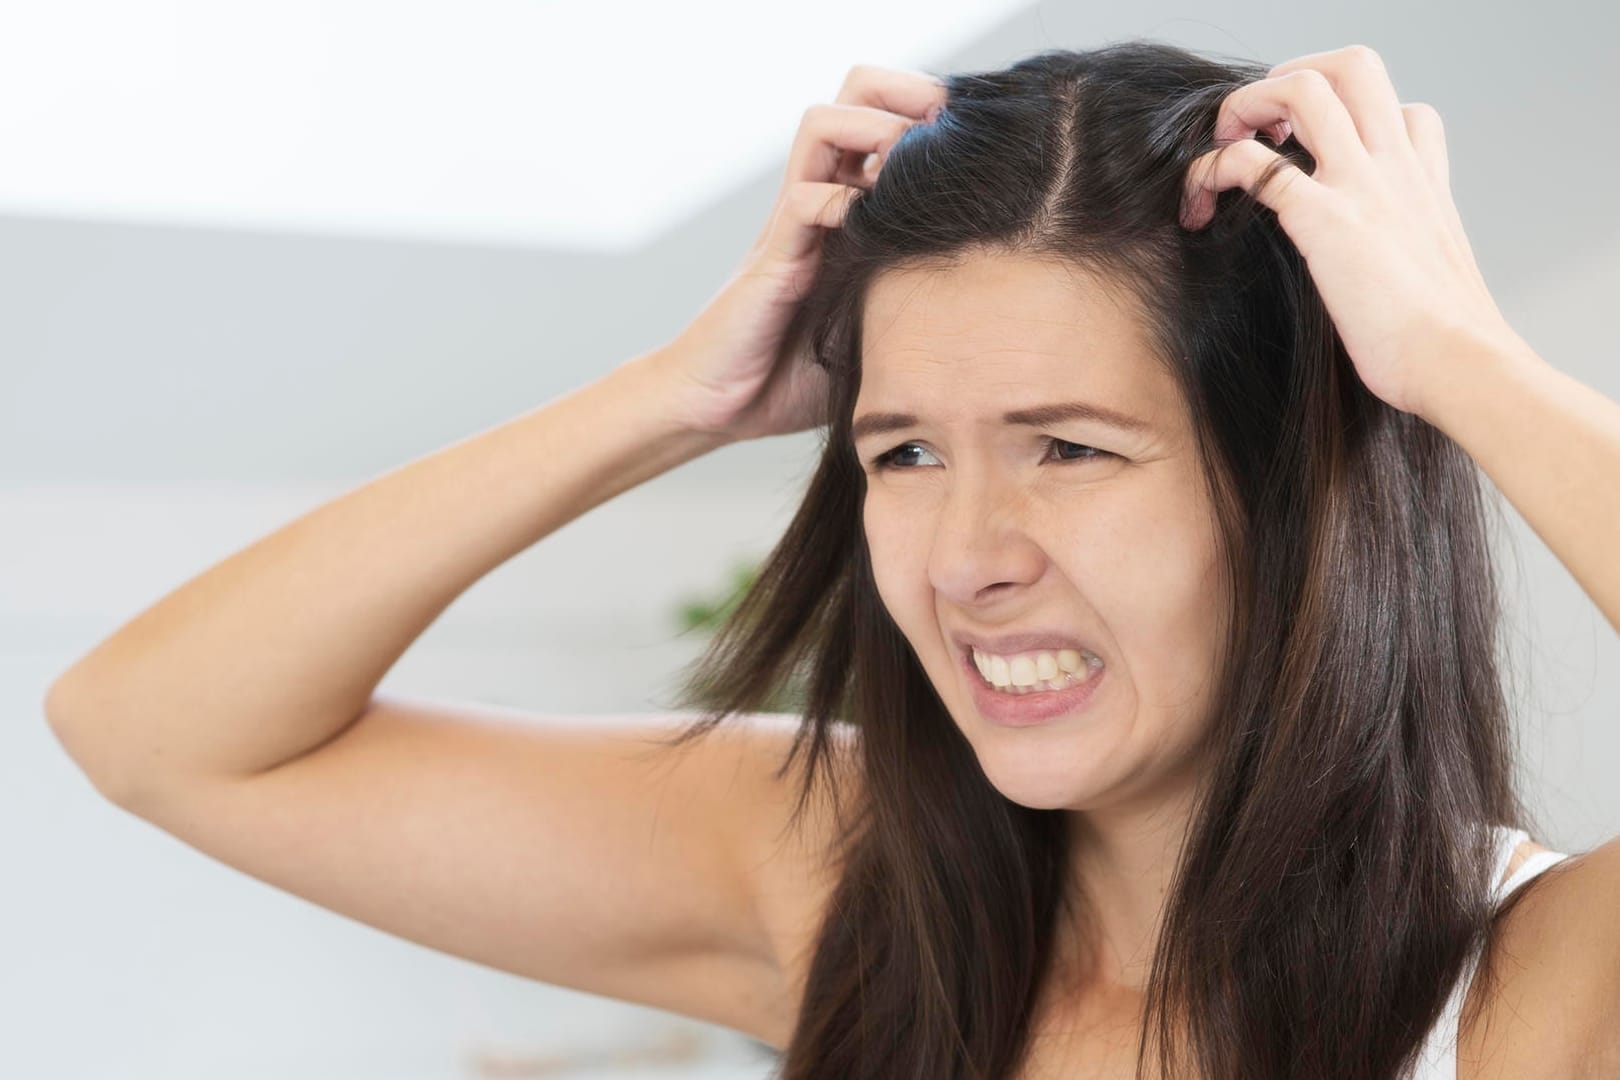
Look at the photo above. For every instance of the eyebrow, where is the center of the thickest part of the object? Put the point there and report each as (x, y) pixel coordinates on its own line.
(878, 423)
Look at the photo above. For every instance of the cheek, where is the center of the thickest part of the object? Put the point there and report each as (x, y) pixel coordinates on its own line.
(899, 550)
(1150, 569)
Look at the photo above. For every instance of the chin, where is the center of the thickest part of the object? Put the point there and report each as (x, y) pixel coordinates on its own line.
(1040, 780)
(1049, 802)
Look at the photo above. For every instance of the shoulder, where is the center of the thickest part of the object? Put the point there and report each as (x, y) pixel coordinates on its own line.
(1554, 977)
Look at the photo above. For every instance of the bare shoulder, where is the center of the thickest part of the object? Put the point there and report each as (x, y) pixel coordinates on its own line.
(1556, 968)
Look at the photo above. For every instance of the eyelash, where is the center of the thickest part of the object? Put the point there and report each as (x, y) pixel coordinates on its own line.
(885, 460)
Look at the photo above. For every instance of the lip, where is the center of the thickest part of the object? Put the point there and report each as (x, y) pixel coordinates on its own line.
(1026, 710)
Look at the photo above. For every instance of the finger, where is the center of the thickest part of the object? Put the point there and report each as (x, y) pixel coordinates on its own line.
(828, 132)
(858, 169)
(1280, 132)
(1424, 128)
(1242, 164)
(896, 90)
(1428, 138)
(845, 143)
(806, 208)
(917, 95)
(1313, 111)
(1358, 77)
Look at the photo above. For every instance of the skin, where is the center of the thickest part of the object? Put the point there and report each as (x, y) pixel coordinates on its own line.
(981, 526)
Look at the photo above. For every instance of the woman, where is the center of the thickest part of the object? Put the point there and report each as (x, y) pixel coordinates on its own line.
(1141, 601)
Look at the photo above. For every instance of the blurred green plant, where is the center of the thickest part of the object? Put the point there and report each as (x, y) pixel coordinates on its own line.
(705, 613)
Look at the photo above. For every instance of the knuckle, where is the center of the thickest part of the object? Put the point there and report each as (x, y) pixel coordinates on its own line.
(1362, 56)
(1311, 81)
(807, 198)
(795, 203)
(1422, 111)
(1246, 153)
(857, 75)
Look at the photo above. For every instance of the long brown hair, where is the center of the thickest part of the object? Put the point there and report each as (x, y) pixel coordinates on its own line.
(1334, 875)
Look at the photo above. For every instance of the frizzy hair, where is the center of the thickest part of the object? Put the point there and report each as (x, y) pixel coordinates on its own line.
(1334, 875)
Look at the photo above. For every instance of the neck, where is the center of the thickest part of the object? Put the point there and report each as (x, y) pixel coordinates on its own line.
(1123, 860)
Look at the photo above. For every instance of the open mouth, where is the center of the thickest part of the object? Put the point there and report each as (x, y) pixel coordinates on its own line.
(1038, 702)
(1045, 673)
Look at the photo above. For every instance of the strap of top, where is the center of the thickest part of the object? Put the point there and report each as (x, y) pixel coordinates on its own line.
(1507, 842)
(1437, 1059)
(1534, 865)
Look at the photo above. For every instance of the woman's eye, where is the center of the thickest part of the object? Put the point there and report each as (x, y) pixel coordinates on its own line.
(1058, 448)
(892, 459)
(1091, 453)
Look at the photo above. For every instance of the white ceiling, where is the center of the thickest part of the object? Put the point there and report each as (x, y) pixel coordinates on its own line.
(562, 125)
(152, 344)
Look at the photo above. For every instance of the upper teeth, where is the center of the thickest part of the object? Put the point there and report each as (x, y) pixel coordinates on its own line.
(1027, 669)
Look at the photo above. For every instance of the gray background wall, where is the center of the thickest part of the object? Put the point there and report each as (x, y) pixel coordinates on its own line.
(168, 395)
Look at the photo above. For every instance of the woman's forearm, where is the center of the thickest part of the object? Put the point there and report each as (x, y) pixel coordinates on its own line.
(1550, 443)
(279, 647)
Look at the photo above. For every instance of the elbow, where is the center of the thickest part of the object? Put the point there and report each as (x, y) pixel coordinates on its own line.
(68, 719)
(57, 703)
(67, 701)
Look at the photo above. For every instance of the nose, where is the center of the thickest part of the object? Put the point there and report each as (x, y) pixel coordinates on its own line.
(981, 544)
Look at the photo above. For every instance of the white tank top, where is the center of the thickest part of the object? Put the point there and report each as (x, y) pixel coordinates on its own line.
(1437, 1058)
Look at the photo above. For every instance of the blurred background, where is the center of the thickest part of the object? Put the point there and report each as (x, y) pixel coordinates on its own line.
(253, 255)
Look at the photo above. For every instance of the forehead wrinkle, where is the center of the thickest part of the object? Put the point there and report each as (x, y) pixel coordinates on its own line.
(1058, 338)
(1066, 333)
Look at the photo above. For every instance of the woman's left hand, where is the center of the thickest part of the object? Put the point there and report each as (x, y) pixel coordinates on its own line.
(1374, 220)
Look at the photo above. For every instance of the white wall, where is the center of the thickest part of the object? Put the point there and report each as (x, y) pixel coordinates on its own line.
(168, 395)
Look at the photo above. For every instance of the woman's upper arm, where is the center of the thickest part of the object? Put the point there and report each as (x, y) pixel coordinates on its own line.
(574, 851)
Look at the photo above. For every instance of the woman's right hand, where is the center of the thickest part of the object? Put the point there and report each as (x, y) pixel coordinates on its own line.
(733, 380)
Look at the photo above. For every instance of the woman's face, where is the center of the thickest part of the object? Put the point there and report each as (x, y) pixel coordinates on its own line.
(983, 528)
